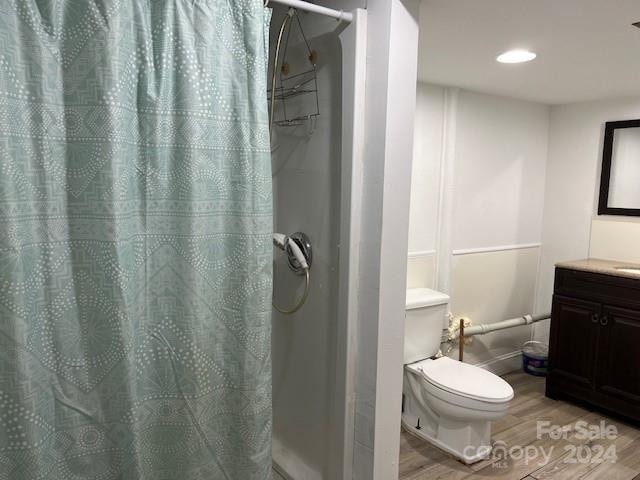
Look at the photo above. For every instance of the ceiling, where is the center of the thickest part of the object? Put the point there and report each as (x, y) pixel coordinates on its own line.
(587, 49)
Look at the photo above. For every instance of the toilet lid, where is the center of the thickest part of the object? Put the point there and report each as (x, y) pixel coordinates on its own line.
(466, 380)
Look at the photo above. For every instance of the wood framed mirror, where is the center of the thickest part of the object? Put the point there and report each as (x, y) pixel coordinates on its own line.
(620, 177)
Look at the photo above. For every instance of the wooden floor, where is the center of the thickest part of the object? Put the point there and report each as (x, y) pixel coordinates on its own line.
(568, 459)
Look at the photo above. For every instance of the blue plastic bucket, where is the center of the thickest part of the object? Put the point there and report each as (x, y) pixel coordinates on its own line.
(535, 358)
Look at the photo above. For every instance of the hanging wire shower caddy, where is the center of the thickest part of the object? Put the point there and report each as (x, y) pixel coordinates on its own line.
(291, 83)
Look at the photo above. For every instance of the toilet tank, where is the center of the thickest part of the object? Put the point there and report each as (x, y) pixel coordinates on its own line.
(425, 315)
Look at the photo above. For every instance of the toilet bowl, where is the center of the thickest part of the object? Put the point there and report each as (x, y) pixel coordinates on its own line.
(446, 402)
(452, 404)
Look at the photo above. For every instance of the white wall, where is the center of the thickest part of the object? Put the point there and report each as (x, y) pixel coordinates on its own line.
(498, 189)
(390, 105)
(506, 169)
(615, 239)
(425, 174)
(501, 151)
(572, 183)
(493, 286)
(425, 184)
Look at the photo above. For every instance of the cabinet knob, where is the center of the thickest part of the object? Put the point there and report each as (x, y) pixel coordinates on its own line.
(595, 317)
(604, 320)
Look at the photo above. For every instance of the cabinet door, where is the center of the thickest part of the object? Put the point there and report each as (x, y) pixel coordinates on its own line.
(574, 339)
(618, 362)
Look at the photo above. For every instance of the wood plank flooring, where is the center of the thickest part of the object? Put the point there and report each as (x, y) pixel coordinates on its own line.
(569, 458)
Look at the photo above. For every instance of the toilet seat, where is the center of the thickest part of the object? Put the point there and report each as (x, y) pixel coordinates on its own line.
(455, 378)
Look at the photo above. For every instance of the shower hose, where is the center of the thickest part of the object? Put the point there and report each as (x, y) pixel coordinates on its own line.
(297, 306)
(291, 248)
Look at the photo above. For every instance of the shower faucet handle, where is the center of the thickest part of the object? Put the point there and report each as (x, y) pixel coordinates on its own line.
(298, 249)
(297, 246)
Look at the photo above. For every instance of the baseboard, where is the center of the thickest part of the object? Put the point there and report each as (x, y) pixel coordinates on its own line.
(502, 364)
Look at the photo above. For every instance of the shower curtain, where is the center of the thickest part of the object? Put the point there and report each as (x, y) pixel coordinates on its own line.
(135, 240)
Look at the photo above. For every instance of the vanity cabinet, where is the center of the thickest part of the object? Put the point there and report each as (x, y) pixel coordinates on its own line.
(594, 348)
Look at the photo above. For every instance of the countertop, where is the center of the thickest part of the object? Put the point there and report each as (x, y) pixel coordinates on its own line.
(606, 267)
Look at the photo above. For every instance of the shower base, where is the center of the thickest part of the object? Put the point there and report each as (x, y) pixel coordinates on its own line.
(276, 475)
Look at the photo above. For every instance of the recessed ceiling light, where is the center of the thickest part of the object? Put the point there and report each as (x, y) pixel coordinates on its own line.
(516, 56)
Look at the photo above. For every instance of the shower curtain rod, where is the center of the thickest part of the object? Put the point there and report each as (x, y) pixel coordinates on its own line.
(311, 7)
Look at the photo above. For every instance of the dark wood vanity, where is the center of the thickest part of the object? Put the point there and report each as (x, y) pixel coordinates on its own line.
(594, 347)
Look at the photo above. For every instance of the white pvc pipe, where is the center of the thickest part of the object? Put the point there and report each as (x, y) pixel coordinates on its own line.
(310, 7)
(513, 322)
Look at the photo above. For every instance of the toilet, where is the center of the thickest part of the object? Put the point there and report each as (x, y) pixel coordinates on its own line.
(448, 403)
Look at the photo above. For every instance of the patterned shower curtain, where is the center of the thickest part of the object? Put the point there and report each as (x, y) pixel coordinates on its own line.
(135, 250)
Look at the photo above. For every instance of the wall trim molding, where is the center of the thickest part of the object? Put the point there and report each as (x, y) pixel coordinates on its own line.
(497, 248)
(421, 253)
(505, 363)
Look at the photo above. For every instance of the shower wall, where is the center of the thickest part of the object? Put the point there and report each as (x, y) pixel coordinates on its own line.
(337, 364)
(306, 168)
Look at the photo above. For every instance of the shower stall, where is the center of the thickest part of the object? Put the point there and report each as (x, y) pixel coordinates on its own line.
(316, 161)
(140, 189)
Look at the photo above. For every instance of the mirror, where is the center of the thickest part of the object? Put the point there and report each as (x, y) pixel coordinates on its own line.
(620, 179)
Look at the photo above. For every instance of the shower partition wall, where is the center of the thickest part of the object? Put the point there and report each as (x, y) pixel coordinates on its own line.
(317, 173)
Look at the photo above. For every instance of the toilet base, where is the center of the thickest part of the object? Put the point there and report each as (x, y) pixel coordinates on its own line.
(458, 424)
(469, 442)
